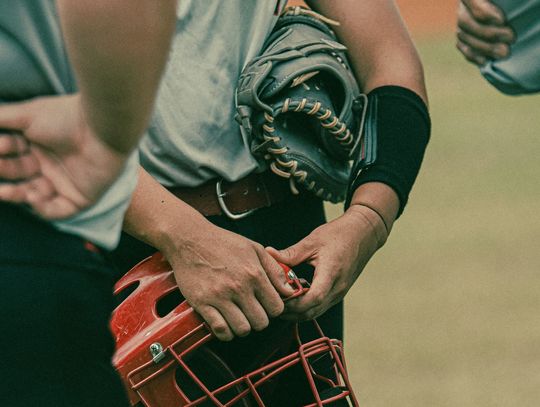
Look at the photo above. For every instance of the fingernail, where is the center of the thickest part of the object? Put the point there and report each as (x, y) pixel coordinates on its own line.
(501, 51)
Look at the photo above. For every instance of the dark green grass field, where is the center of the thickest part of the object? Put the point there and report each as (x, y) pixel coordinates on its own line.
(448, 312)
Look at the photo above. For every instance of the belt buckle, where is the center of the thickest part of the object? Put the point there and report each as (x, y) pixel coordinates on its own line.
(234, 216)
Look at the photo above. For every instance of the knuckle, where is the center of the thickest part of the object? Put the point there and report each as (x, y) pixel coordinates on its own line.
(479, 13)
(258, 247)
(219, 292)
(492, 34)
(276, 309)
(221, 331)
(253, 274)
(220, 328)
(233, 288)
(290, 252)
(500, 50)
(465, 51)
(465, 22)
(196, 301)
(317, 299)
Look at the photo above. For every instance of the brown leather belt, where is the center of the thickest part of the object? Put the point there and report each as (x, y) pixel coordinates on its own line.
(237, 199)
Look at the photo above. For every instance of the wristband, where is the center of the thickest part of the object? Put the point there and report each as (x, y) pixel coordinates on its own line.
(396, 133)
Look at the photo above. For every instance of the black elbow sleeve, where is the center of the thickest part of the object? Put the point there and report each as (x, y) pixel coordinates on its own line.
(395, 136)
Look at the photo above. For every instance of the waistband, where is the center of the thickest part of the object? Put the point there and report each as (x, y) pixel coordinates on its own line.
(28, 239)
(237, 199)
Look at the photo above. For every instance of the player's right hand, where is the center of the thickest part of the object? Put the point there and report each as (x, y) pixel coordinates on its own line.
(482, 31)
(231, 281)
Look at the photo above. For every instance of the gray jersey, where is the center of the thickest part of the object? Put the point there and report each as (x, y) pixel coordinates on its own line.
(520, 73)
(34, 63)
(193, 136)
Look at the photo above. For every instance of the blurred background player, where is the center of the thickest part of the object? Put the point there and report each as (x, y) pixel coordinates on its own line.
(60, 158)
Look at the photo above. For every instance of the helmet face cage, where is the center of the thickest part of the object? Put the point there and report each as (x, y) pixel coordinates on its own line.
(167, 356)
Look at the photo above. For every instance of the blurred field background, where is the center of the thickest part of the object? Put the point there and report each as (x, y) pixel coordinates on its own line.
(448, 312)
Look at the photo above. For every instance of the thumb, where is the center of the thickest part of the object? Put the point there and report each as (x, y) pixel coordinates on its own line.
(292, 255)
(276, 275)
(14, 116)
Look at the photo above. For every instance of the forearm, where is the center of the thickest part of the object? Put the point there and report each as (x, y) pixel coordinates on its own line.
(154, 215)
(382, 53)
(118, 50)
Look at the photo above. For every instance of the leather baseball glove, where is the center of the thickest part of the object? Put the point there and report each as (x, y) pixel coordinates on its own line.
(300, 107)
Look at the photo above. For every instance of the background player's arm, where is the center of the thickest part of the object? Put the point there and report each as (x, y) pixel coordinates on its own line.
(64, 151)
(119, 50)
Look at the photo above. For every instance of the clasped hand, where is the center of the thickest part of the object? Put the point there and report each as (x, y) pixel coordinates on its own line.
(339, 251)
(50, 159)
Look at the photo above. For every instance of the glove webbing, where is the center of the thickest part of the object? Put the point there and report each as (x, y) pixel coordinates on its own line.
(288, 169)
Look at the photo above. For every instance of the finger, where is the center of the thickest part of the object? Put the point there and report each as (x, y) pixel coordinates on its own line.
(278, 282)
(59, 207)
(319, 294)
(19, 167)
(469, 55)
(255, 313)
(14, 193)
(216, 322)
(485, 11)
(13, 144)
(295, 254)
(482, 48)
(271, 286)
(37, 193)
(14, 116)
(40, 189)
(235, 318)
(489, 33)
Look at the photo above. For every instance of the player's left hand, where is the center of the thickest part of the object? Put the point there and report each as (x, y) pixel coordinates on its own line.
(339, 250)
(51, 160)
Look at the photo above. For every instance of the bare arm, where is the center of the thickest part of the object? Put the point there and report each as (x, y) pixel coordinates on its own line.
(231, 281)
(381, 53)
(379, 46)
(118, 49)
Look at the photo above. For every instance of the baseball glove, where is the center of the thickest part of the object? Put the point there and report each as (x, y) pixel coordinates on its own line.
(299, 105)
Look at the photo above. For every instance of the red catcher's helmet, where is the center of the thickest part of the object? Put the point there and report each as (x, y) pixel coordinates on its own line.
(167, 356)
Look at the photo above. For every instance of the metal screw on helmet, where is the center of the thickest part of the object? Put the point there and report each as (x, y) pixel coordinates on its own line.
(156, 350)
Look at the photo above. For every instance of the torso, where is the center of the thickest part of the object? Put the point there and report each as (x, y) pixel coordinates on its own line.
(193, 136)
